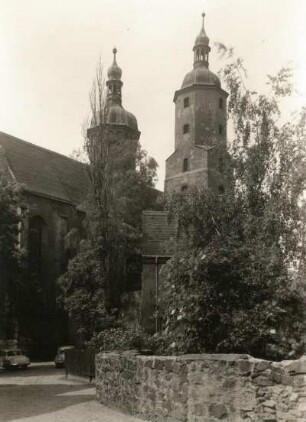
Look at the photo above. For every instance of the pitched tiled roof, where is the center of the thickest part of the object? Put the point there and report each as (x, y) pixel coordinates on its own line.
(158, 232)
(45, 172)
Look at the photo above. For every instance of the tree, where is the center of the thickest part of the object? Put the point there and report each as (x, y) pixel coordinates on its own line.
(121, 185)
(239, 284)
(19, 291)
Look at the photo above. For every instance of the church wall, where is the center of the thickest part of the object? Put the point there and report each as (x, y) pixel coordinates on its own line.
(59, 218)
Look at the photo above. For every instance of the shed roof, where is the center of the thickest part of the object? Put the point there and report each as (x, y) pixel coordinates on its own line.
(45, 172)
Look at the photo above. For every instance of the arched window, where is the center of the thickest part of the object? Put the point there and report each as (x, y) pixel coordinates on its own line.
(186, 128)
(220, 129)
(221, 189)
(221, 165)
(185, 165)
(186, 102)
(36, 239)
(221, 103)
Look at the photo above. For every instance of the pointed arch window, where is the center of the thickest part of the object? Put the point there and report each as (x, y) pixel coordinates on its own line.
(186, 128)
(221, 189)
(185, 164)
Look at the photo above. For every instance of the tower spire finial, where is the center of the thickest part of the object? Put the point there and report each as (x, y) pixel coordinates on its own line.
(203, 16)
(115, 52)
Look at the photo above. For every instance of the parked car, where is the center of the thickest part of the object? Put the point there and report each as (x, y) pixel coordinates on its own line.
(59, 359)
(13, 358)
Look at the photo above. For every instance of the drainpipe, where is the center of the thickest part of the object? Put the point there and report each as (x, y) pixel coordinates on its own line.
(156, 293)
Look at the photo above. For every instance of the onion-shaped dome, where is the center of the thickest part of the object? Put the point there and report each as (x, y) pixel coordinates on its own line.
(202, 38)
(201, 76)
(114, 72)
(116, 115)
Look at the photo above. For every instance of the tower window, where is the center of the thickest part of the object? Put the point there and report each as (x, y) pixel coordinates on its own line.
(186, 102)
(221, 165)
(221, 103)
(220, 129)
(185, 164)
(221, 189)
(186, 128)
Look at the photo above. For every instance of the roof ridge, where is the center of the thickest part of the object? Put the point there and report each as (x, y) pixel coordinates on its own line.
(42, 148)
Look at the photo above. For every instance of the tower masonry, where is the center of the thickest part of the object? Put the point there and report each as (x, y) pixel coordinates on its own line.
(200, 127)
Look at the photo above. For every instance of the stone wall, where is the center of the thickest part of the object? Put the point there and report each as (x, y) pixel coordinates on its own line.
(202, 388)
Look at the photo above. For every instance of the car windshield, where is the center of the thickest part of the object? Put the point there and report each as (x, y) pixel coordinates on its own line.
(14, 353)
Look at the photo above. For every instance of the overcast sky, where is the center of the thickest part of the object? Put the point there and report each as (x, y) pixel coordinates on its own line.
(49, 50)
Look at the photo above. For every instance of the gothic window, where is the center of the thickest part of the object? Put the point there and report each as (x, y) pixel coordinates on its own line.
(185, 165)
(186, 102)
(221, 103)
(63, 229)
(186, 128)
(37, 233)
(220, 129)
(221, 165)
(221, 189)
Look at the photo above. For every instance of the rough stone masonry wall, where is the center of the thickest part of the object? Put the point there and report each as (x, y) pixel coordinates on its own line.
(202, 388)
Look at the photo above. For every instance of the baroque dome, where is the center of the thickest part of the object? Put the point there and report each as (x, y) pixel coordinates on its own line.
(201, 76)
(114, 71)
(116, 115)
(119, 116)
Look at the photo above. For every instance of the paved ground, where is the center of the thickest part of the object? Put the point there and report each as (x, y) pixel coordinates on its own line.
(41, 393)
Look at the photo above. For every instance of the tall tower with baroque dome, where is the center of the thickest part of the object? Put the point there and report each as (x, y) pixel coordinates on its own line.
(113, 123)
(200, 126)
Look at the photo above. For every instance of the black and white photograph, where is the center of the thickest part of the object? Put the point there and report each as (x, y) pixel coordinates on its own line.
(152, 211)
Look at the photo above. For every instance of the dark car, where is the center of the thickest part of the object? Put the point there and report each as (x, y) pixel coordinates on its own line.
(13, 358)
(59, 359)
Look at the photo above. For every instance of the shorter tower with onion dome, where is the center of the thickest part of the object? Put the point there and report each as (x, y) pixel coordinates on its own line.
(113, 123)
(200, 126)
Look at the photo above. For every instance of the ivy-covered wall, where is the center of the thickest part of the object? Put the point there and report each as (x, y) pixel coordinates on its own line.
(202, 388)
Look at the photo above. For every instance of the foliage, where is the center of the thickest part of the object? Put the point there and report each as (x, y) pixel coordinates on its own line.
(238, 284)
(19, 292)
(122, 336)
(82, 285)
(122, 178)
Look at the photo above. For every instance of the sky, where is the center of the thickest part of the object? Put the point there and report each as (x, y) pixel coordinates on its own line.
(49, 50)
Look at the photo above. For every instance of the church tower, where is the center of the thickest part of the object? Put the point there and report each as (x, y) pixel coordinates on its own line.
(113, 123)
(200, 126)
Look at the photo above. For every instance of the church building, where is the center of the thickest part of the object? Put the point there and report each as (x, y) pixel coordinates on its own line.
(55, 186)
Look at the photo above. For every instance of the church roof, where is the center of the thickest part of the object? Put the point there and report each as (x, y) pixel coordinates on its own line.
(158, 232)
(44, 172)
